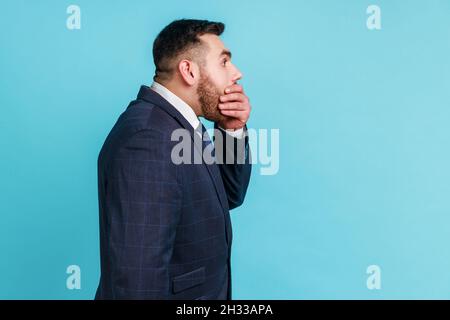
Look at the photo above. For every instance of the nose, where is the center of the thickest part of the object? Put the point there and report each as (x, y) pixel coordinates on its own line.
(237, 75)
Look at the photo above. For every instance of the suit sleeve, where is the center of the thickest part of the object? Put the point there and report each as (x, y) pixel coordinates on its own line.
(143, 207)
(234, 161)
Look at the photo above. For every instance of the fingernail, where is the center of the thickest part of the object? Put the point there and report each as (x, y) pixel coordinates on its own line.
(227, 90)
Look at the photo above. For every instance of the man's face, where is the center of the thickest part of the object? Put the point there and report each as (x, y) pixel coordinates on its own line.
(217, 74)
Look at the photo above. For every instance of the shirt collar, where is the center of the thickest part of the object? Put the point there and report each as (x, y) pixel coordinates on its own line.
(185, 110)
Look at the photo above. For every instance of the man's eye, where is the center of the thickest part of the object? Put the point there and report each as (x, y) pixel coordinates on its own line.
(224, 61)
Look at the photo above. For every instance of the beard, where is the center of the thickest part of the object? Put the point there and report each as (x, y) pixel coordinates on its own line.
(209, 94)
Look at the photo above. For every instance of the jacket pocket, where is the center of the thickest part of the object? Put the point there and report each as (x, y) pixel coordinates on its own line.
(188, 280)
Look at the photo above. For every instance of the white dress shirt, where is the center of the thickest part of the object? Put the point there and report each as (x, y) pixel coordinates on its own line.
(186, 110)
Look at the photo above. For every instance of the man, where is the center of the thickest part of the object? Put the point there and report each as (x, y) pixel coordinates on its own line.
(165, 229)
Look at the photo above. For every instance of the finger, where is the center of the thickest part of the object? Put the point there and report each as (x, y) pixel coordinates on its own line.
(234, 88)
(233, 97)
(233, 113)
(232, 106)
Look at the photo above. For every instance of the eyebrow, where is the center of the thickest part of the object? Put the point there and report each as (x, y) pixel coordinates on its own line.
(225, 53)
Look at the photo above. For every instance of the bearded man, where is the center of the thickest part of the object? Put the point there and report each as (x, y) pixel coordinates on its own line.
(165, 228)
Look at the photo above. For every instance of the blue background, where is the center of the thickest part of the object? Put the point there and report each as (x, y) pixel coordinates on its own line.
(364, 141)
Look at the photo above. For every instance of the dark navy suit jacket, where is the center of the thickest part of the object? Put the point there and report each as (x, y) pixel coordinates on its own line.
(165, 228)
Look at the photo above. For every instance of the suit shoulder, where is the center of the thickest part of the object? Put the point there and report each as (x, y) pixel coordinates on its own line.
(138, 117)
(142, 115)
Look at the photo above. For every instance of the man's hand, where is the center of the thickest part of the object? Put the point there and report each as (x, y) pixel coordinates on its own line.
(235, 105)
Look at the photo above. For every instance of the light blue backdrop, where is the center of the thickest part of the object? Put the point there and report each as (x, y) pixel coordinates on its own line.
(363, 116)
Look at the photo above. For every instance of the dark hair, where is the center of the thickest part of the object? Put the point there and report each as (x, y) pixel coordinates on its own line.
(181, 36)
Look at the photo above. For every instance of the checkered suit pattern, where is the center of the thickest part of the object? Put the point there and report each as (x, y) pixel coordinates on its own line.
(165, 229)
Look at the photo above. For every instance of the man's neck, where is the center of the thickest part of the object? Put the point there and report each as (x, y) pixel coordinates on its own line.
(182, 94)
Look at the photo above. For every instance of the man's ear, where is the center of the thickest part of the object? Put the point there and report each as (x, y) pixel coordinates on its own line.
(188, 71)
